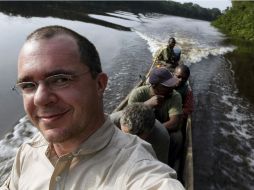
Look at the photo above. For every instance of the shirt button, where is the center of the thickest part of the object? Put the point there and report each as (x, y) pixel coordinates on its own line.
(58, 178)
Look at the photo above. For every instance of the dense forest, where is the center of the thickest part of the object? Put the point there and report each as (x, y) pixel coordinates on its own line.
(238, 21)
(30, 8)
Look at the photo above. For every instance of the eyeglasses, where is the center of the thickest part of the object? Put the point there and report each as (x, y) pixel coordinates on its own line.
(53, 82)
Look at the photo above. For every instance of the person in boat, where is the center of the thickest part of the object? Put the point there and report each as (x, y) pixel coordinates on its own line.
(182, 72)
(167, 105)
(139, 119)
(78, 147)
(169, 57)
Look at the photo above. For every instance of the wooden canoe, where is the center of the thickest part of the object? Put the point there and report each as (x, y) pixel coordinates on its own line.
(188, 175)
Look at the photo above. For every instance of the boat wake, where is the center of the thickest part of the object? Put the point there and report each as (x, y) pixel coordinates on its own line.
(223, 128)
(192, 51)
(9, 145)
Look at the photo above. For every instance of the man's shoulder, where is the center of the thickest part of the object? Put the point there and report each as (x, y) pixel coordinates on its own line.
(160, 128)
(139, 94)
(142, 88)
(160, 132)
(161, 49)
(36, 145)
(164, 50)
(132, 145)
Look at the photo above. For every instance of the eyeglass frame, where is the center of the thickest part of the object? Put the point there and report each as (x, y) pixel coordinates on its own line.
(47, 81)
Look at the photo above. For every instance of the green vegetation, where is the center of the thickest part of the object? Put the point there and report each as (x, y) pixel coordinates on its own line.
(238, 21)
(35, 8)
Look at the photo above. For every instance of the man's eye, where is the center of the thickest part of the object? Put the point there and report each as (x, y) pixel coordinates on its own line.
(59, 80)
(27, 86)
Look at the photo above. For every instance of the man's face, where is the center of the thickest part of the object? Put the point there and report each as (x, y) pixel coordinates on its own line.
(67, 113)
(182, 77)
(163, 90)
(171, 43)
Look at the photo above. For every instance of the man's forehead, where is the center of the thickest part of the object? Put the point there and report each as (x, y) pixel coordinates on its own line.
(178, 71)
(48, 55)
(60, 43)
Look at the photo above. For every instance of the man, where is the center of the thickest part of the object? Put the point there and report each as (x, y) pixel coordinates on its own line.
(168, 57)
(78, 147)
(182, 72)
(167, 105)
(139, 119)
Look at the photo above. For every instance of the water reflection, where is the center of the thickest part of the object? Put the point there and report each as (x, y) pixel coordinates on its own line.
(243, 67)
(65, 10)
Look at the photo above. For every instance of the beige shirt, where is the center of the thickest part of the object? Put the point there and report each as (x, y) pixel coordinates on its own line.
(108, 160)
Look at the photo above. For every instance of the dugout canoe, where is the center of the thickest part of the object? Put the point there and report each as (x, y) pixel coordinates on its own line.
(187, 173)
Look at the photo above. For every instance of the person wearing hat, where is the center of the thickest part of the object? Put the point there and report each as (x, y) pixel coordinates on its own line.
(166, 103)
(169, 56)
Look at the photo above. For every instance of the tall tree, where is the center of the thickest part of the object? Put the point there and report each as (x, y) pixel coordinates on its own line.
(237, 21)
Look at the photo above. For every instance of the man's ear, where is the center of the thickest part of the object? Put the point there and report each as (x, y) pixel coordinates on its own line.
(102, 81)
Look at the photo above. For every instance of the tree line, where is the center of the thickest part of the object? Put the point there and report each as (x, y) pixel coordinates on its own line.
(238, 21)
(188, 10)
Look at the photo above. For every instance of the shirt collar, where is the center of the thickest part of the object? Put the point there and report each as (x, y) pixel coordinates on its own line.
(98, 140)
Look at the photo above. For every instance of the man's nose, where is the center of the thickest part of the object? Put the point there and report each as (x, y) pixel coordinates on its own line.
(43, 95)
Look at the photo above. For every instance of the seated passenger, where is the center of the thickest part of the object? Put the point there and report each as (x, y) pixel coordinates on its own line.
(166, 103)
(169, 57)
(182, 72)
(139, 119)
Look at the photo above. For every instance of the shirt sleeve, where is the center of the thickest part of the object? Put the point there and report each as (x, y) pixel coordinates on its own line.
(140, 94)
(176, 106)
(160, 56)
(133, 97)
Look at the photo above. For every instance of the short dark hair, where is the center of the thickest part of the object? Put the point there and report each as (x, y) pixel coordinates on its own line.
(184, 68)
(171, 40)
(88, 53)
(139, 118)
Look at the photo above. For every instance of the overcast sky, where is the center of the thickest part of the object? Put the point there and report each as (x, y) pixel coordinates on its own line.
(220, 4)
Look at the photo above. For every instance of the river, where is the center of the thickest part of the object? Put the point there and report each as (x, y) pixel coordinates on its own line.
(221, 78)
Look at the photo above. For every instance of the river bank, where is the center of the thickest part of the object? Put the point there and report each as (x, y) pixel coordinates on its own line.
(237, 21)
